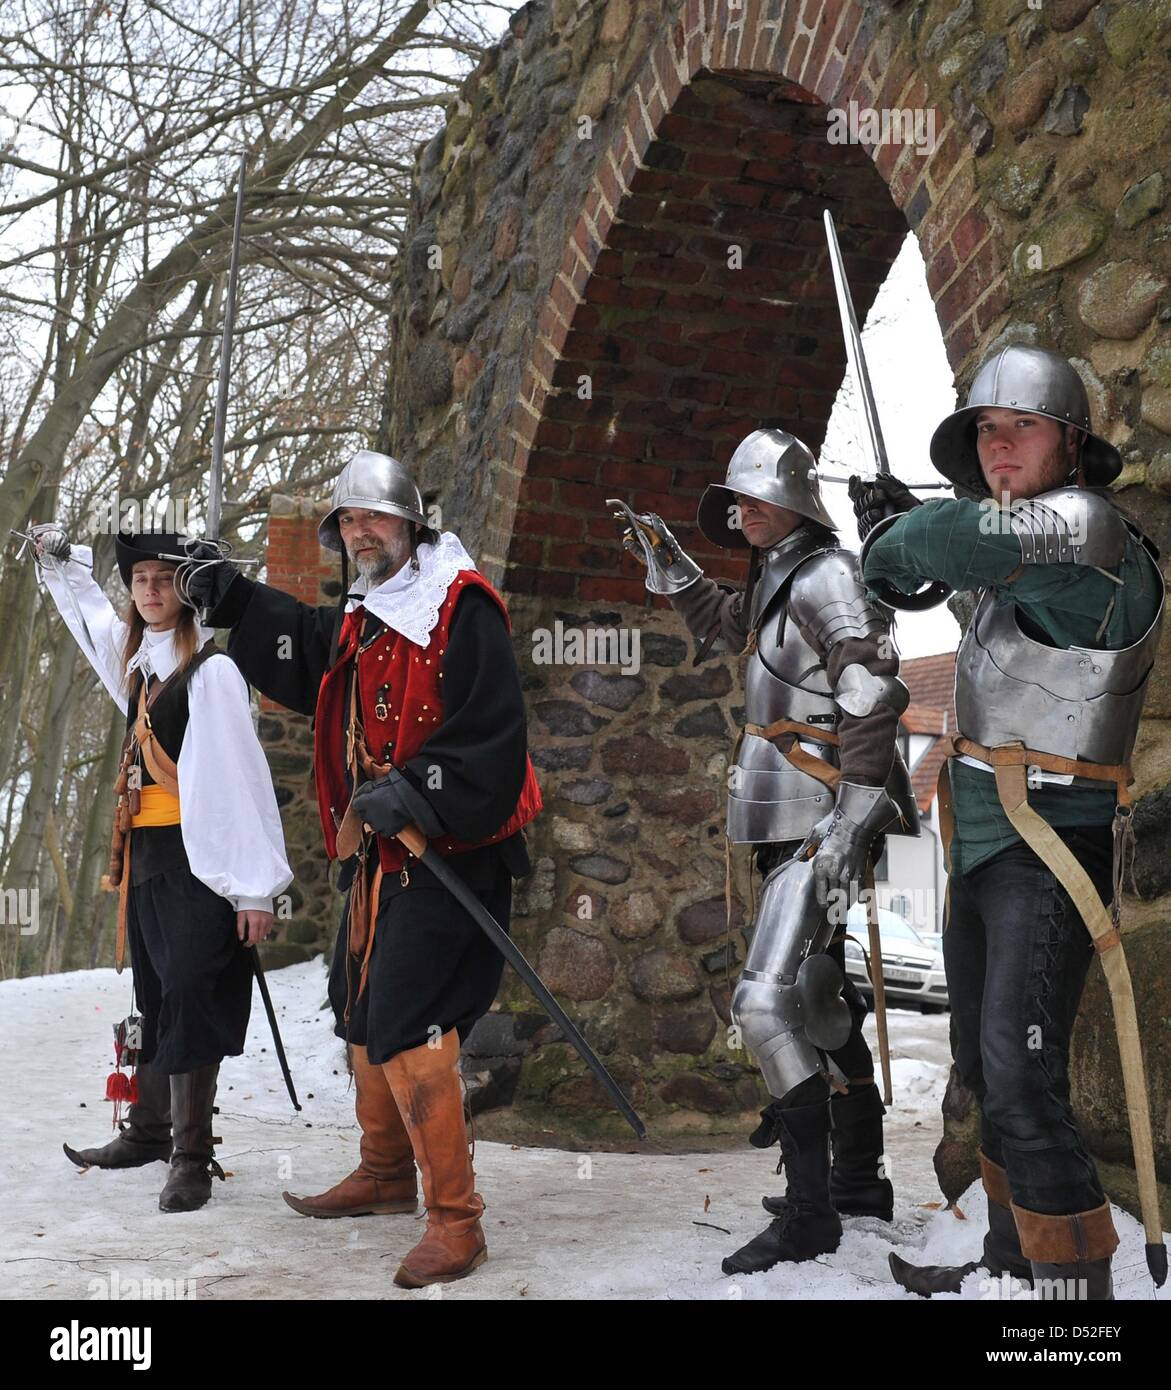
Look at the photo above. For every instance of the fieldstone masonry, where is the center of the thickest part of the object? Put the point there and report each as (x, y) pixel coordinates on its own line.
(613, 270)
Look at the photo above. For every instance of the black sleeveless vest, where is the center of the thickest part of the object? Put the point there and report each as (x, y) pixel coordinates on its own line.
(156, 848)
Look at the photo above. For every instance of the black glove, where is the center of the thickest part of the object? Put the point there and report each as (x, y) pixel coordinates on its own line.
(203, 580)
(392, 802)
(879, 497)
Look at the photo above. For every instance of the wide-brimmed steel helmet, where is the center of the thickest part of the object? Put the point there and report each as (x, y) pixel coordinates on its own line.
(771, 466)
(1021, 378)
(377, 483)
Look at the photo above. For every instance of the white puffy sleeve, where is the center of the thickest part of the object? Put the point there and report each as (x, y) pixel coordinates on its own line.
(101, 633)
(231, 825)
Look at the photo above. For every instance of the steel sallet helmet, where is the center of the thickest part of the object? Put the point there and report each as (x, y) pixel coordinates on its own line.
(1021, 378)
(772, 466)
(378, 483)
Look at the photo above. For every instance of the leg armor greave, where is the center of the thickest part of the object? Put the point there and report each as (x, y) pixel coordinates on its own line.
(788, 1002)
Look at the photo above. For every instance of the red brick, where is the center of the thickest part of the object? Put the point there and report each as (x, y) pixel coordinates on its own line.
(959, 342)
(576, 467)
(598, 439)
(798, 54)
(694, 388)
(549, 523)
(713, 164)
(612, 590)
(552, 434)
(673, 354)
(969, 233)
(536, 490)
(940, 269)
(526, 551)
(547, 582)
(994, 303)
(634, 474)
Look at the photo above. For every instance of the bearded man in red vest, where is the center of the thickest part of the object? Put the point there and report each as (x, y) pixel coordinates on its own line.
(419, 719)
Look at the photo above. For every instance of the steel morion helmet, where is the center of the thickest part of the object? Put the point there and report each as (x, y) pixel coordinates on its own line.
(378, 483)
(771, 466)
(1021, 378)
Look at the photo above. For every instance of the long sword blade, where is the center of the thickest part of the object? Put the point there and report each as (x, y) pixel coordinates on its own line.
(854, 352)
(216, 483)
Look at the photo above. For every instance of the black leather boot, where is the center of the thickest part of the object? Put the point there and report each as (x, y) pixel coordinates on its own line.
(808, 1226)
(1002, 1255)
(1088, 1281)
(145, 1136)
(188, 1186)
(855, 1187)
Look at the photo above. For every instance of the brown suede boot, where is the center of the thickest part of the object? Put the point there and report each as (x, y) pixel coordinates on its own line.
(426, 1085)
(384, 1181)
(1070, 1255)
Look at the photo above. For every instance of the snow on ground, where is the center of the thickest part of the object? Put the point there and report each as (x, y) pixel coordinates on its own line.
(559, 1224)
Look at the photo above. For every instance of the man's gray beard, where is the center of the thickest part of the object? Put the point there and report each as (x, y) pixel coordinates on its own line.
(388, 562)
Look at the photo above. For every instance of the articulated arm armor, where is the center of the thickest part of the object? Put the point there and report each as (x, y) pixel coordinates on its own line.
(1068, 527)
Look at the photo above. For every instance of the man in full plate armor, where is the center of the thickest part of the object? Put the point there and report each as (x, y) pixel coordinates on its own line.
(816, 781)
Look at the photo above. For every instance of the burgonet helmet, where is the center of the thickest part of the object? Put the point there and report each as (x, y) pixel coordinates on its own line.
(1021, 378)
(771, 466)
(377, 483)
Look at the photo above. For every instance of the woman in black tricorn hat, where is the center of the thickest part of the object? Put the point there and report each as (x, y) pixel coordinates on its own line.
(194, 887)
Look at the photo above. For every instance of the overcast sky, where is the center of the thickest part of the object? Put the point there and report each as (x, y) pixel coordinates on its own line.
(912, 383)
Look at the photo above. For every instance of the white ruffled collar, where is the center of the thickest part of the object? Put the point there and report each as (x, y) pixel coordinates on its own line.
(410, 601)
(157, 655)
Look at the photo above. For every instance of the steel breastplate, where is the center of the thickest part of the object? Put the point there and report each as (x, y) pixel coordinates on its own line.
(1075, 702)
(769, 800)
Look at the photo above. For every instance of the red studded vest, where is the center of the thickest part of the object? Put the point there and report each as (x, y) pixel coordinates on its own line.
(401, 700)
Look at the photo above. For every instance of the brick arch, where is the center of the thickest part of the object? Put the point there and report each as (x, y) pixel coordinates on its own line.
(1056, 115)
(723, 141)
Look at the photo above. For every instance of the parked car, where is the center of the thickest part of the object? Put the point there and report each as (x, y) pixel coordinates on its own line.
(912, 969)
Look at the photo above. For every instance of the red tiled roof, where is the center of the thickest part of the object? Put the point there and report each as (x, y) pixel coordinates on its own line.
(924, 719)
(931, 681)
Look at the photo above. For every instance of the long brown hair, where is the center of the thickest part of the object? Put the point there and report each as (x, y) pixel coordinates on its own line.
(186, 635)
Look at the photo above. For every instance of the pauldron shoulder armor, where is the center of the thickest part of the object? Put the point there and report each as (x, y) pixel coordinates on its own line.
(1070, 526)
(828, 601)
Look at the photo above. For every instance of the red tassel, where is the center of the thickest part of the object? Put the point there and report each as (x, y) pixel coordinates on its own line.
(119, 1089)
(117, 1086)
(132, 1095)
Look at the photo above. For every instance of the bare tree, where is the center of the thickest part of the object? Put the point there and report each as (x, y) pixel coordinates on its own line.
(121, 128)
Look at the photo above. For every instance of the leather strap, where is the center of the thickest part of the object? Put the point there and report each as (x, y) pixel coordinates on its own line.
(158, 762)
(123, 895)
(351, 839)
(793, 753)
(1010, 764)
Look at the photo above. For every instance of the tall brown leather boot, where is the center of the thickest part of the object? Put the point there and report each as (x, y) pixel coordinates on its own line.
(384, 1181)
(146, 1135)
(426, 1085)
